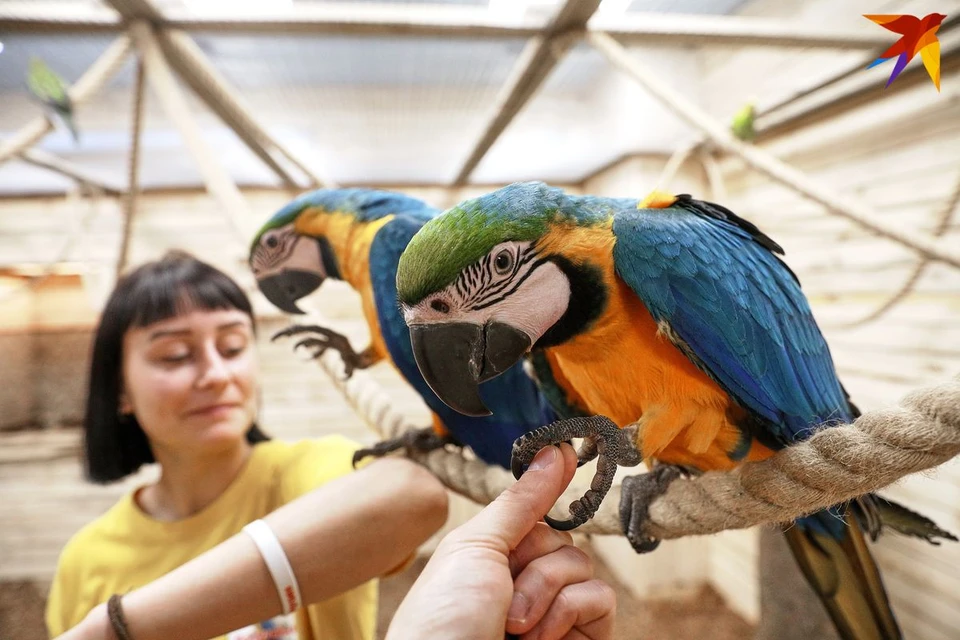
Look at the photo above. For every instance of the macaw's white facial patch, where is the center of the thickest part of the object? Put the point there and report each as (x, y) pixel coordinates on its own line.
(284, 249)
(510, 284)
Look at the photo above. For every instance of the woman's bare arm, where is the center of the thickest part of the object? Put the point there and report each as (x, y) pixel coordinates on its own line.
(336, 537)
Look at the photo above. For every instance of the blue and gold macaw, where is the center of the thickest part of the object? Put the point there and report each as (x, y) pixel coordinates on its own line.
(672, 317)
(357, 235)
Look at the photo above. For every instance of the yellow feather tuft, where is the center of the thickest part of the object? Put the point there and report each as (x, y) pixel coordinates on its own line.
(657, 200)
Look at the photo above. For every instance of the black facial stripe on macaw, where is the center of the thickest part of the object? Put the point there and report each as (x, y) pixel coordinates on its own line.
(489, 302)
(266, 257)
(475, 277)
(329, 258)
(492, 294)
(479, 281)
(588, 300)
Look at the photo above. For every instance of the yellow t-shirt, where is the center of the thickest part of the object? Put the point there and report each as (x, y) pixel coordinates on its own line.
(125, 548)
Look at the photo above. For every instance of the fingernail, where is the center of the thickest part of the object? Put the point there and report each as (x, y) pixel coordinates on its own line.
(518, 608)
(543, 459)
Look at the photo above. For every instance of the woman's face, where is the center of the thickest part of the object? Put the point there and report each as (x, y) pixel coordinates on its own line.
(191, 380)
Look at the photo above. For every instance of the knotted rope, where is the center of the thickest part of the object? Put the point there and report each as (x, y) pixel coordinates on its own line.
(834, 465)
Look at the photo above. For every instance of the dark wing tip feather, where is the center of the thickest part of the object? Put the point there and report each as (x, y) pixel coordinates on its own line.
(720, 212)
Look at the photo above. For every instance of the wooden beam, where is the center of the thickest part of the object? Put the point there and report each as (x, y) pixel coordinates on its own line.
(711, 169)
(344, 18)
(856, 69)
(357, 19)
(133, 188)
(673, 165)
(188, 59)
(535, 63)
(82, 175)
(737, 31)
(194, 67)
(786, 117)
(164, 85)
(137, 10)
(329, 18)
(763, 161)
(772, 127)
(86, 86)
(29, 16)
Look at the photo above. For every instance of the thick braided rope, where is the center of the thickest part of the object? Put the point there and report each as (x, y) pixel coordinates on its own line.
(833, 466)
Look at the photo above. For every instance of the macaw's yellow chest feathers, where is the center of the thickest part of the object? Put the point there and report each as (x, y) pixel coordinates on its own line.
(624, 367)
(350, 241)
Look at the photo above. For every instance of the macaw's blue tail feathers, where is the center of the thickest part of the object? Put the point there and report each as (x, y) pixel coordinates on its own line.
(844, 575)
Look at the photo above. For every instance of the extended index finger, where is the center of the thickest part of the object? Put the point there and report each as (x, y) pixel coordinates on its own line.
(513, 514)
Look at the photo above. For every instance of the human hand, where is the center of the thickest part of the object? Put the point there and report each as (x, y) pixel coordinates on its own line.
(503, 571)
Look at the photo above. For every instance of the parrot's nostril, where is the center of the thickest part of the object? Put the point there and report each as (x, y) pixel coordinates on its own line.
(440, 305)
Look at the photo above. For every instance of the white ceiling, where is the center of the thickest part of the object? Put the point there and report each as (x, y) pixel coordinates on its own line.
(365, 109)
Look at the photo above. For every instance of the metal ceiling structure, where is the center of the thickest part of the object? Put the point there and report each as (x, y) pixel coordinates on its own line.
(385, 92)
(159, 34)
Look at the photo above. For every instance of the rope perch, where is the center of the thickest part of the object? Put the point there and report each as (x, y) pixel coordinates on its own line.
(834, 465)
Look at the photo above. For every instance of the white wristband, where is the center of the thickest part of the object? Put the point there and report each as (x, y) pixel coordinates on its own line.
(277, 564)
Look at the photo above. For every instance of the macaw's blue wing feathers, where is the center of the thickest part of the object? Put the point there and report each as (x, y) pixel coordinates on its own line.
(517, 405)
(713, 278)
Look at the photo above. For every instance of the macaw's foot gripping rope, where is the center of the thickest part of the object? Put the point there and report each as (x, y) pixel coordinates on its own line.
(833, 466)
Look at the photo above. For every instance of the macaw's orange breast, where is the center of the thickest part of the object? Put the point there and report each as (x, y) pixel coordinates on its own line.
(627, 370)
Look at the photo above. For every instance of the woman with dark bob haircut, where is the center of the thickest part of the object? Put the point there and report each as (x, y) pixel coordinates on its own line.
(246, 538)
(115, 444)
(174, 379)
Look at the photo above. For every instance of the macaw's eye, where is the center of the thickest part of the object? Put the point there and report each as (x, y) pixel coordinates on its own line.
(439, 305)
(272, 242)
(503, 263)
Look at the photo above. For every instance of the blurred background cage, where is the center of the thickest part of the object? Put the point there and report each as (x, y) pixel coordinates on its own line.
(197, 119)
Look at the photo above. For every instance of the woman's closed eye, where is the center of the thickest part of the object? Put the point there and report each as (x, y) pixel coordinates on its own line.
(233, 345)
(175, 356)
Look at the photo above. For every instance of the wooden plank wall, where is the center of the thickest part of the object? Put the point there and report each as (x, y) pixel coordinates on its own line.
(900, 156)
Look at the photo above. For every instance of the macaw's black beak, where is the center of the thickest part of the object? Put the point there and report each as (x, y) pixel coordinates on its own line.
(284, 289)
(456, 357)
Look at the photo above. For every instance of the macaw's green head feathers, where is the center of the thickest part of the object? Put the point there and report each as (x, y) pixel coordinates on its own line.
(486, 280)
(465, 234)
(291, 255)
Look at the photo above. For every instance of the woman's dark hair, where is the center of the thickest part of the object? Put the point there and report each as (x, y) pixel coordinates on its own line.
(115, 445)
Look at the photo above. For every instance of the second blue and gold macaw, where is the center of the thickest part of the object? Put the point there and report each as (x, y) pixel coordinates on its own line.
(357, 235)
(672, 317)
